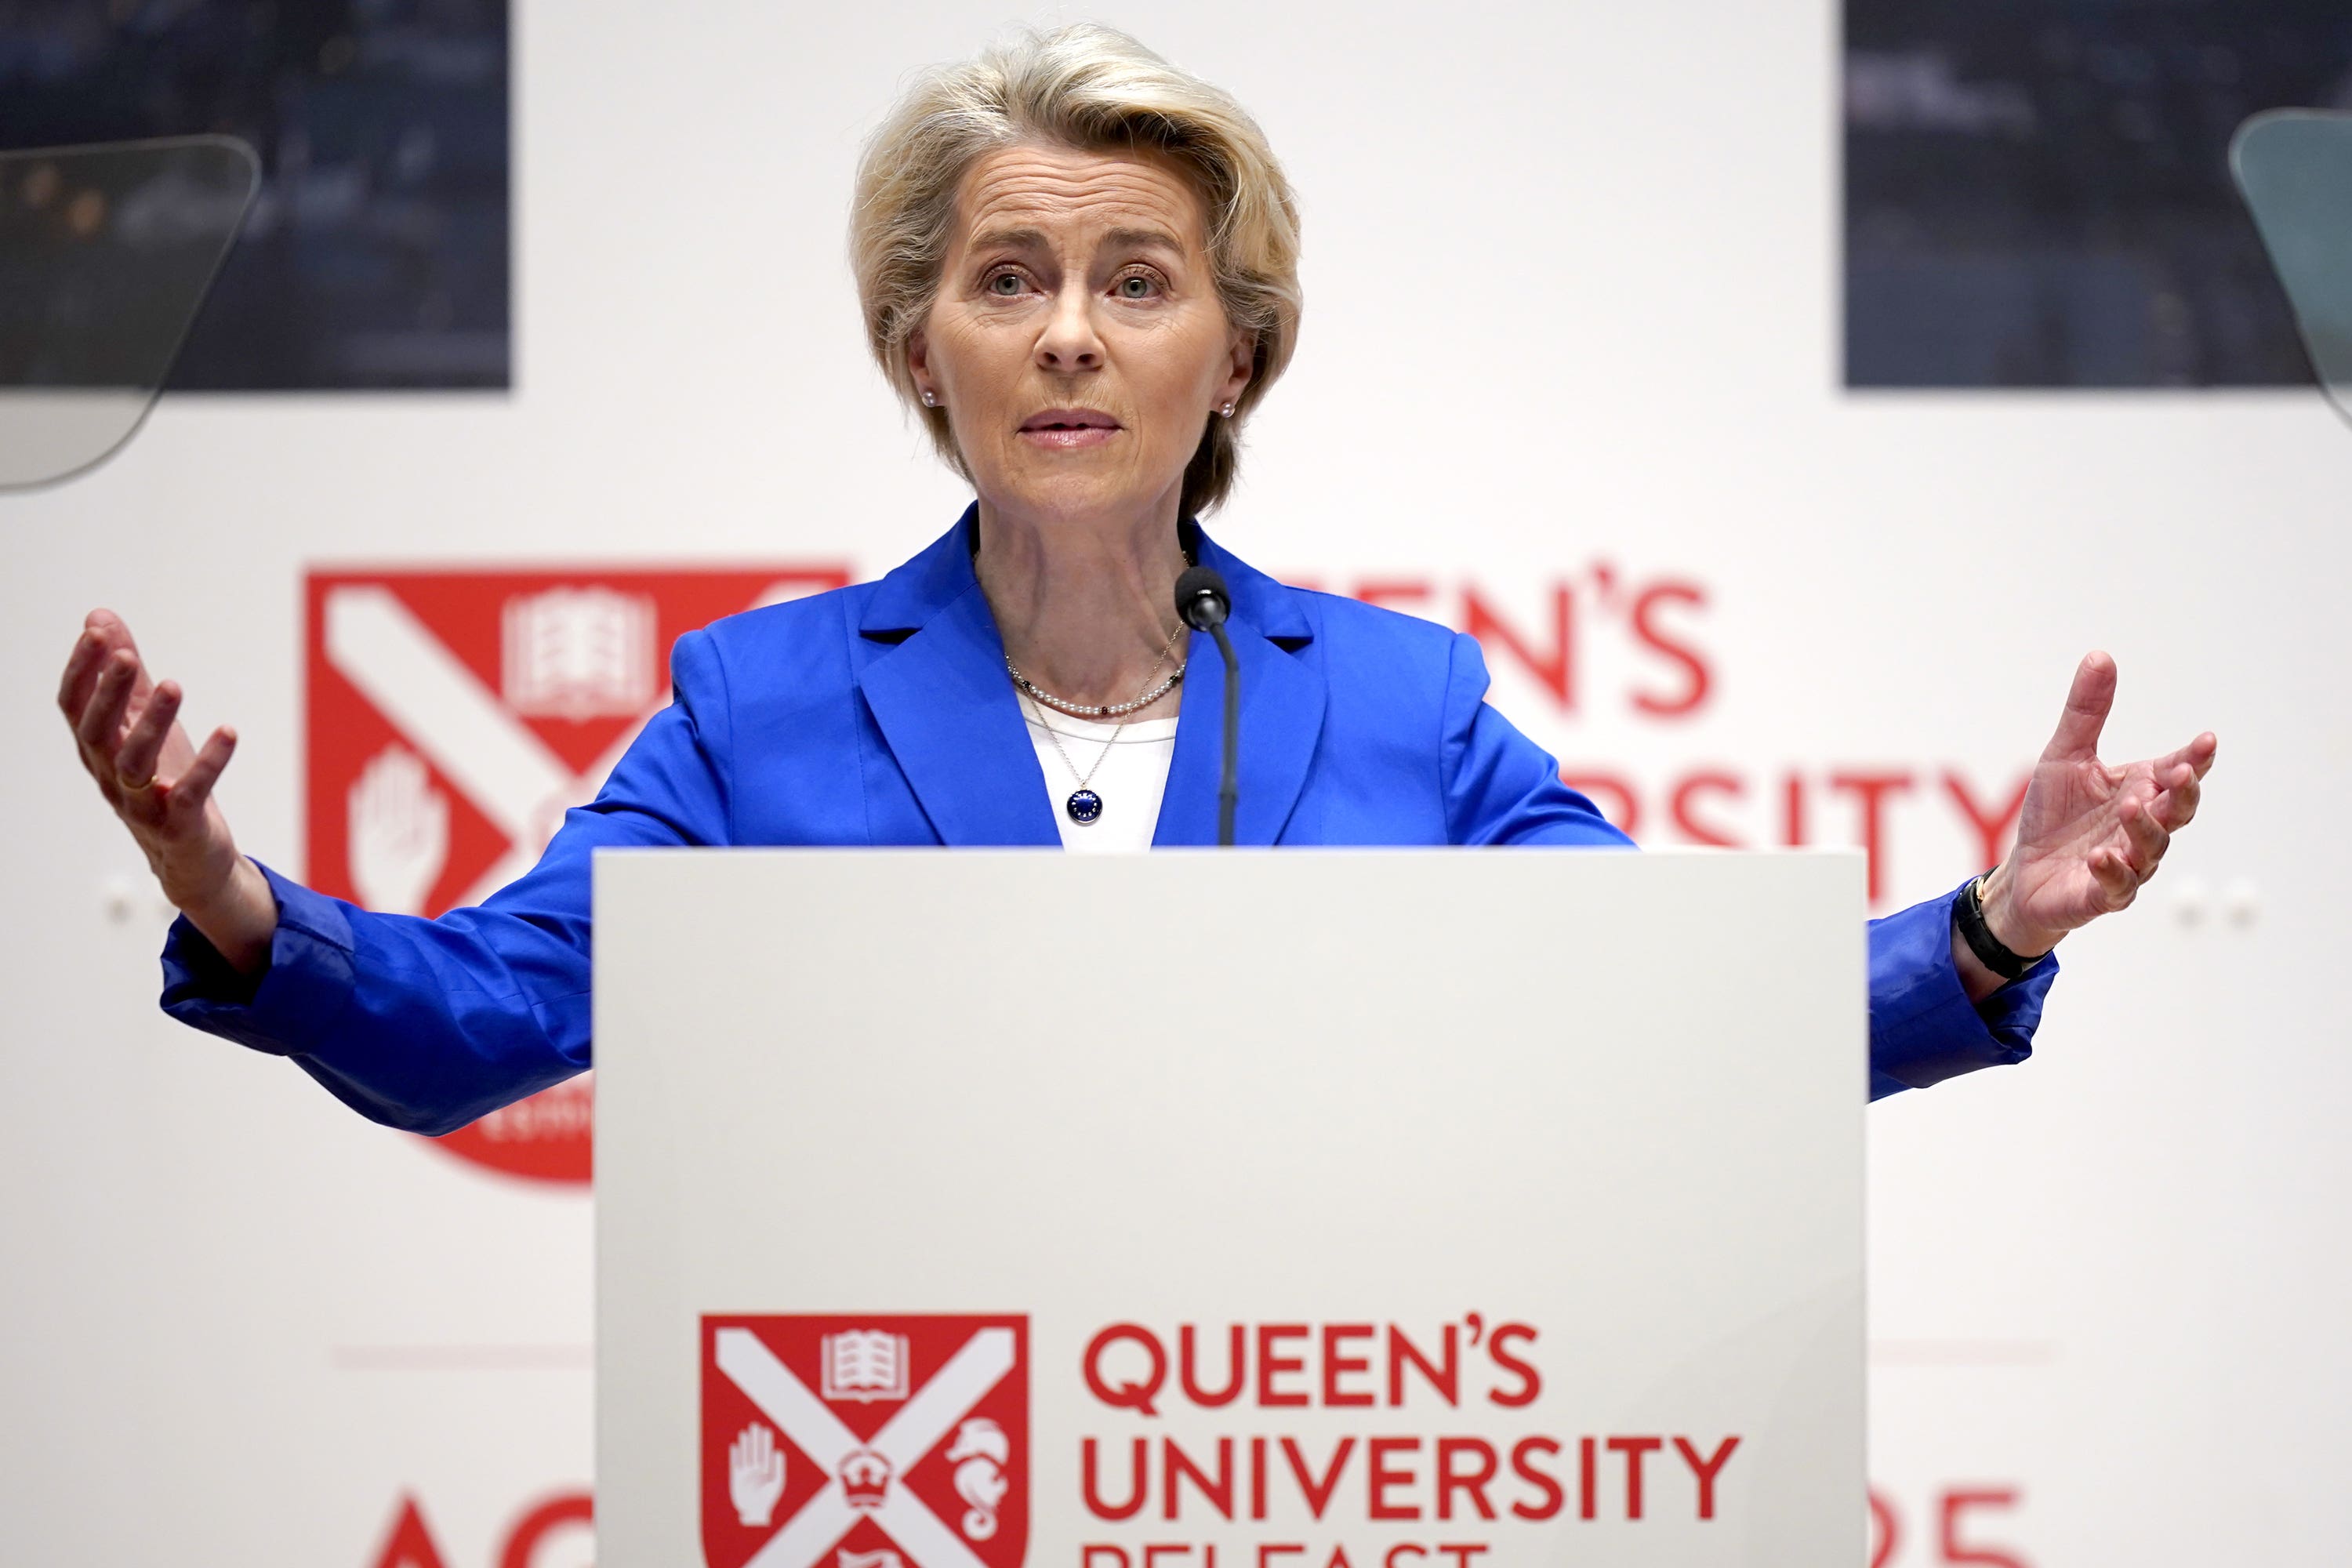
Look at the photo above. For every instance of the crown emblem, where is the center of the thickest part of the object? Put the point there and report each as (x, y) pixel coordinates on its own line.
(865, 1477)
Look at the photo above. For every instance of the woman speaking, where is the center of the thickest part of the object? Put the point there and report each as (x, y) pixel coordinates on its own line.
(1079, 265)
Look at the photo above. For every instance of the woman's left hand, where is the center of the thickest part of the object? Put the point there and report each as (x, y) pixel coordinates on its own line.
(2090, 834)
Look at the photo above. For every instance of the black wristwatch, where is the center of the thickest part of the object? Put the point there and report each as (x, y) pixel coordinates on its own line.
(1967, 919)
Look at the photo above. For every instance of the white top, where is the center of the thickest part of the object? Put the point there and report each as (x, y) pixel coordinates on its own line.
(1132, 776)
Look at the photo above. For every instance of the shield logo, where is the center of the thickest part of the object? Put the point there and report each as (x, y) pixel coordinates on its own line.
(452, 718)
(864, 1441)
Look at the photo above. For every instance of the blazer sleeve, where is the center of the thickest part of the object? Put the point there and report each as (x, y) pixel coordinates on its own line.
(425, 1024)
(1502, 788)
(1923, 1027)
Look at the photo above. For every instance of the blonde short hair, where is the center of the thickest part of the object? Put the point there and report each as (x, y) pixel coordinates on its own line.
(1094, 89)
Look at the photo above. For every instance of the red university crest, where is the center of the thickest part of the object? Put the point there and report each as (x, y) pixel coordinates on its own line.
(454, 715)
(864, 1441)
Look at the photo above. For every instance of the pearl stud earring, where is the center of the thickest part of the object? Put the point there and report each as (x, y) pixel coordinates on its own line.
(931, 398)
(1227, 411)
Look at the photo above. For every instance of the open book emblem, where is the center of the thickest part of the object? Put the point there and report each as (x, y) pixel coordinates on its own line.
(578, 653)
(899, 1441)
(865, 1364)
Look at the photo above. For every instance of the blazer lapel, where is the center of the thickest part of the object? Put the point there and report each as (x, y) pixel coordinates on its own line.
(934, 679)
(1283, 690)
(944, 706)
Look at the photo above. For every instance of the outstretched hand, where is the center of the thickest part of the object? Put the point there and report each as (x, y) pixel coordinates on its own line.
(2090, 834)
(126, 726)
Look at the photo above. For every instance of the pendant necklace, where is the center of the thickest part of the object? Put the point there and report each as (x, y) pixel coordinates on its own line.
(1084, 806)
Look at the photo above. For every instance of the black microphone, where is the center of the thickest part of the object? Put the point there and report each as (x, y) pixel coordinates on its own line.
(1201, 599)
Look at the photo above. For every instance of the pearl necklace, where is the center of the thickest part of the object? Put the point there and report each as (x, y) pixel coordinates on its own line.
(1099, 710)
(1036, 693)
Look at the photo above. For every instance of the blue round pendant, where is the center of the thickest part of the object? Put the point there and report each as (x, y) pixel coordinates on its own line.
(1084, 806)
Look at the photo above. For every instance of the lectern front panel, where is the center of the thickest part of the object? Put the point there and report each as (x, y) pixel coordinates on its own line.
(1241, 1210)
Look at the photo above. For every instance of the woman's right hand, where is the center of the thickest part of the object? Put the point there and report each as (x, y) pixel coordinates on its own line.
(126, 727)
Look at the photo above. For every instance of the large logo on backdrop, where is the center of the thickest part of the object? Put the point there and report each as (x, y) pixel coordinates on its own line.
(864, 1441)
(454, 716)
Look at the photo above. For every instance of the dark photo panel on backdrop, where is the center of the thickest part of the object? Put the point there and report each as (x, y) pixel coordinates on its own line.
(2038, 191)
(377, 255)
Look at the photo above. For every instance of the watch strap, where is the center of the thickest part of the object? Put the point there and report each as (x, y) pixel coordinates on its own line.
(1967, 919)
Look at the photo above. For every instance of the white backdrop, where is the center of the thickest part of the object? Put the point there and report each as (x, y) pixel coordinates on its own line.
(1572, 302)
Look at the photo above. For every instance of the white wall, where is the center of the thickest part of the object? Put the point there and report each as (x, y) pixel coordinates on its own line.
(1572, 285)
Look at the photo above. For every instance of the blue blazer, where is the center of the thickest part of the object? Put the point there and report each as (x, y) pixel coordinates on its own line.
(880, 714)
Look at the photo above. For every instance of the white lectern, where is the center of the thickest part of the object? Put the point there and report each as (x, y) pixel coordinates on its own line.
(1229, 1210)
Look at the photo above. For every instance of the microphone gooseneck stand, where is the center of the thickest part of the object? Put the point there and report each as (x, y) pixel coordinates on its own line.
(1203, 600)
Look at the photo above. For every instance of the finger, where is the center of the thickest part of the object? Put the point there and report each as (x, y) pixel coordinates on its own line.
(186, 794)
(134, 765)
(100, 727)
(115, 633)
(112, 630)
(81, 677)
(2087, 702)
(2118, 887)
(2147, 837)
(2198, 754)
(2177, 803)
